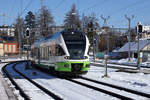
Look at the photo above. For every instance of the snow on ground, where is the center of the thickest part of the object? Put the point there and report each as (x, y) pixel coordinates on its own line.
(133, 61)
(69, 90)
(135, 81)
(124, 93)
(139, 82)
(65, 89)
(32, 91)
(12, 59)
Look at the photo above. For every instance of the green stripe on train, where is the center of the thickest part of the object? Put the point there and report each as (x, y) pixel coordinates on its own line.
(60, 66)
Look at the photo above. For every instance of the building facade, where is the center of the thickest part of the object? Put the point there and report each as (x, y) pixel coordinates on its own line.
(7, 31)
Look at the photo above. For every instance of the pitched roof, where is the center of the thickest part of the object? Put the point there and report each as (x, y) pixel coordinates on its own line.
(133, 46)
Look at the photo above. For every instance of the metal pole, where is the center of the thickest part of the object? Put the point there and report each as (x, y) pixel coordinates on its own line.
(129, 21)
(106, 67)
(129, 41)
(27, 48)
(93, 48)
(106, 55)
(97, 42)
(106, 74)
(107, 43)
(138, 62)
(19, 41)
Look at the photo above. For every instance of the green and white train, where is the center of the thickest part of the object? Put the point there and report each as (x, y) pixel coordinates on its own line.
(65, 51)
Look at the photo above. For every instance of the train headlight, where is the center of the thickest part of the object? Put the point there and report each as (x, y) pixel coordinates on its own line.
(67, 57)
(88, 65)
(66, 65)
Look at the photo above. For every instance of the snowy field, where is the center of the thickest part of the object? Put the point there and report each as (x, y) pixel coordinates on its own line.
(13, 59)
(133, 61)
(136, 81)
(72, 91)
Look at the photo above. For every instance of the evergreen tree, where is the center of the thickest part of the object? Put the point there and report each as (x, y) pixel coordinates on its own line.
(72, 19)
(30, 23)
(45, 21)
(30, 20)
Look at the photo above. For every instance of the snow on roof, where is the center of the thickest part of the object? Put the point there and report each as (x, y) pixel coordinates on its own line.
(133, 46)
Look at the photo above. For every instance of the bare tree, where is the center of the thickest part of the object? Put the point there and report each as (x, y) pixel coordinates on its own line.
(45, 21)
(19, 27)
(72, 19)
(89, 25)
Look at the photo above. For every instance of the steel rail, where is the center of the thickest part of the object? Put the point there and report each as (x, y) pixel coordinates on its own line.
(26, 97)
(39, 86)
(117, 87)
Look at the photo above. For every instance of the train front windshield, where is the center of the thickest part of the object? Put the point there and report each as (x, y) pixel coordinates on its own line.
(75, 43)
(76, 51)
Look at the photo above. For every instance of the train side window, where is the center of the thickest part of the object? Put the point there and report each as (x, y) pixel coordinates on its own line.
(47, 51)
(59, 51)
(41, 53)
(50, 51)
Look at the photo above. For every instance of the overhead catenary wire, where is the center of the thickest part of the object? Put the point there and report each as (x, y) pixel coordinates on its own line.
(126, 7)
(12, 8)
(139, 2)
(95, 5)
(26, 7)
(58, 5)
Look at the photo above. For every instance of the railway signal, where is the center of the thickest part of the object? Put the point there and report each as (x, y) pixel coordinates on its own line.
(28, 35)
(27, 32)
(140, 28)
(139, 31)
(129, 34)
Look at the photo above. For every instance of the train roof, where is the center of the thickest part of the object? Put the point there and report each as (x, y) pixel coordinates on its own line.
(57, 35)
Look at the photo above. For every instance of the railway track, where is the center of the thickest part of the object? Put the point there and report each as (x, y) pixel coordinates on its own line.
(101, 90)
(111, 92)
(122, 97)
(118, 87)
(111, 66)
(128, 66)
(51, 94)
(88, 86)
(13, 82)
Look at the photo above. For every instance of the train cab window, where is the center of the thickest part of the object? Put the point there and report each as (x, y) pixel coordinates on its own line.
(59, 51)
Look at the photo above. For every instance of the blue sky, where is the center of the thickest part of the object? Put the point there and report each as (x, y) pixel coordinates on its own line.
(116, 9)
